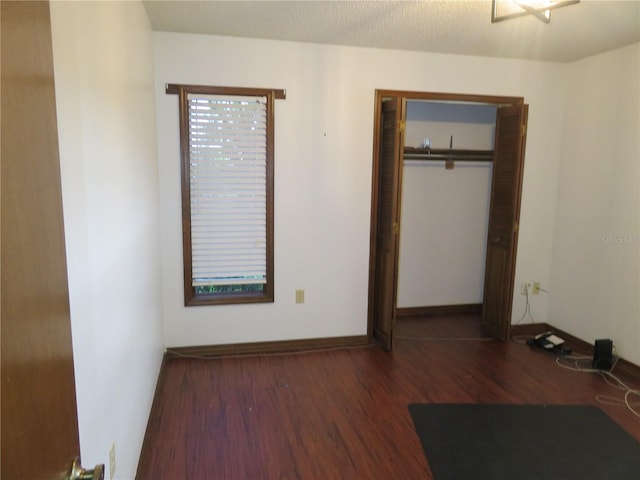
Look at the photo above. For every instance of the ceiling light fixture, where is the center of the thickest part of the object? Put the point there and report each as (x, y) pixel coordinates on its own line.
(541, 9)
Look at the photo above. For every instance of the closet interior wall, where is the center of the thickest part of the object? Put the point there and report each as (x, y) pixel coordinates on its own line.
(445, 212)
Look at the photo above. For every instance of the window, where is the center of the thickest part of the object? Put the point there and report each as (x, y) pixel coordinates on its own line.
(226, 144)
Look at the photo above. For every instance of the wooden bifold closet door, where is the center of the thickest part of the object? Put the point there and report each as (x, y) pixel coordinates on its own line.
(504, 214)
(389, 182)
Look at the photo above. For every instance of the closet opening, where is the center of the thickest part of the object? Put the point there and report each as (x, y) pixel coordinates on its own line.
(447, 174)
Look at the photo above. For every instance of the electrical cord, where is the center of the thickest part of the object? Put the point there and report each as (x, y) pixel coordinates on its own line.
(607, 376)
(520, 338)
(527, 308)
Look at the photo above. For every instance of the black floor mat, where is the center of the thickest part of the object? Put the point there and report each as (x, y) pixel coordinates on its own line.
(524, 442)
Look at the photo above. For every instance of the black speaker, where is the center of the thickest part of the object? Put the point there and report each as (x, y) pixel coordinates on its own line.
(603, 354)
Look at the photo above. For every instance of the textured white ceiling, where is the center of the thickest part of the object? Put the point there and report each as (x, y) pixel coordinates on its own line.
(444, 26)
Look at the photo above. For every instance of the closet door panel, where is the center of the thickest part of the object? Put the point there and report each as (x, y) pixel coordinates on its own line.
(504, 215)
(388, 227)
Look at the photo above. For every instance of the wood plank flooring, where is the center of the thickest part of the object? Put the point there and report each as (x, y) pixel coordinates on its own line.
(342, 414)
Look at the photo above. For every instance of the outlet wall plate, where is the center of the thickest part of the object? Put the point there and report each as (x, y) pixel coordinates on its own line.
(112, 460)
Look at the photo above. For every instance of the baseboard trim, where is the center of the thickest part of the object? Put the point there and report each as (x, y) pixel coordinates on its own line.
(529, 329)
(576, 344)
(153, 414)
(281, 346)
(439, 310)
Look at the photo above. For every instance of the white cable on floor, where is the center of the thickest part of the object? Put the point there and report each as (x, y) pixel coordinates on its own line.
(606, 375)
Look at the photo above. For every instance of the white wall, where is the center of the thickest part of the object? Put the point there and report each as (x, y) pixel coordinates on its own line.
(595, 280)
(443, 233)
(472, 126)
(324, 138)
(106, 120)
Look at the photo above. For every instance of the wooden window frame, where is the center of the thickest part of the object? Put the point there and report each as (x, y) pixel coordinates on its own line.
(191, 297)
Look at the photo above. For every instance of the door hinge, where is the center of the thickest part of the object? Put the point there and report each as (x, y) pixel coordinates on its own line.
(515, 227)
(401, 126)
(396, 228)
(524, 130)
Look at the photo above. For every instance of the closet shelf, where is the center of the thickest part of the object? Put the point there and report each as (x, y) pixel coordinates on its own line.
(413, 153)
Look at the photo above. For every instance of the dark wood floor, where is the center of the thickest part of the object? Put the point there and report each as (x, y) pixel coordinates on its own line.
(342, 414)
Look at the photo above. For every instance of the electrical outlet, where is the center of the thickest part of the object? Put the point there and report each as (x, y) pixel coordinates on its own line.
(299, 296)
(112, 460)
(535, 290)
(525, 287)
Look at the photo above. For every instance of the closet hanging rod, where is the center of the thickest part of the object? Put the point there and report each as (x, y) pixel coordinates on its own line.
(441, 157)
(411, 153)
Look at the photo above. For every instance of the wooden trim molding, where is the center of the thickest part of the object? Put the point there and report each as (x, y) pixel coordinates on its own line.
(529, 329)
(438, 310)
(404, 95)
(452, 97)
(174, 89)
(191, 296)
(281, 346)
(154, 412)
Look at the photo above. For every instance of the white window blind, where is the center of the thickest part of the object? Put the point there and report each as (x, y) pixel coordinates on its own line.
(228, 189)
